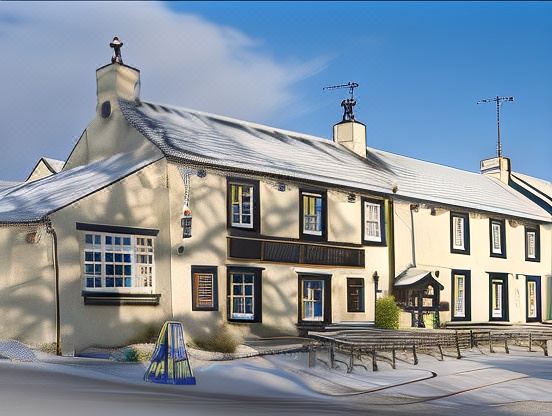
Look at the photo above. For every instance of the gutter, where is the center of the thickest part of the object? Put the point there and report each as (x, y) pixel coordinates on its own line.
(50, 230)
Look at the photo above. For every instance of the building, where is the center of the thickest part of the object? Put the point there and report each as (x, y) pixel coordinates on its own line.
(166, 213)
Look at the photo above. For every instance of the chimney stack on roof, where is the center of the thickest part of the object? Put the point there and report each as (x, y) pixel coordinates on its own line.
(116, 80)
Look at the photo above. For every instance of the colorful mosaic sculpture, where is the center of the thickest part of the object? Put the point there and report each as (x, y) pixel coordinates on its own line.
(169, 362)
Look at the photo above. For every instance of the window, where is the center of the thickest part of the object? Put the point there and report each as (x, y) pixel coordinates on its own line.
(498, 297)
(373, 215)
(459, 233)
(355, 294)
(313, 215)
(497, 238)
(204, 288)
(461, 295)
(533, 298)
(118, 262)
(532, 243)
(243, 205)
(315, 299)
(244, 294)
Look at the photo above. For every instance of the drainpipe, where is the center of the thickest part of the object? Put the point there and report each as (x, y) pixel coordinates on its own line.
(413, 208)
(50, 230)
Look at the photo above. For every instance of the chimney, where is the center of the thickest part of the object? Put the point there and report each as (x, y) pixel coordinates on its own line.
(116, 80)
(352, 135)
(497, 167)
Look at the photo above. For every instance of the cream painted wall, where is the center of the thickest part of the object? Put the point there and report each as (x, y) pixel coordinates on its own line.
(432, 243)
(279, 218)
(40, 171)
(26, 286)
(139, 200)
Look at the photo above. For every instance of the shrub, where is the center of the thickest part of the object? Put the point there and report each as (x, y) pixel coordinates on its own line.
(387, 313)
(133, 353)
(222, 340)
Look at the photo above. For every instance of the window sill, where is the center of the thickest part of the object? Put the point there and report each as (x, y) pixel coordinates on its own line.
(120, 299)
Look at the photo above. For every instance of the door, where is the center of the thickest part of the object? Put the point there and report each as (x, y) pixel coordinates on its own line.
(314, 299)
(533, 299)
(498, 297)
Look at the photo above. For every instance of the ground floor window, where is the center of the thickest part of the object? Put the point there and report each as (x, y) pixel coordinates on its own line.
(533, 298)
(355, 294)
(314, 298)
(461, 295)
(204, 288)
(112, 262)
(498, 297)
(244, 294)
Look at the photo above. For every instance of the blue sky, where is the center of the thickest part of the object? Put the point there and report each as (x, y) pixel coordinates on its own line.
(421, 68)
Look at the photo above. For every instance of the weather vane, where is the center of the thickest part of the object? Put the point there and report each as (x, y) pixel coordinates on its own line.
(348, 103)
(116, 44)
(498, 100)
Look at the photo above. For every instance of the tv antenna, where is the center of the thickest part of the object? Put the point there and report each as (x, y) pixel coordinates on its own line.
(499, 101)
(347, 103)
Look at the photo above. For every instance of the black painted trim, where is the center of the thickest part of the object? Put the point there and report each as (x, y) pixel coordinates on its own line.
(537, 280)
(327, 299)
(120, 299)
(502, 223)
(312, 237)
(536, 229)
(467, 292)
(205, 269)
(383, 231)
(466, 233)
(505, 297)
(257, 293)
(256, 205)
(240, 233)
(116, 229)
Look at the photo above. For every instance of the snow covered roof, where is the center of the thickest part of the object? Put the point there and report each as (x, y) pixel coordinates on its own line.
(412, 275)
(7, 184)
(541, 185)
(196, 137)
(54, 165)
(33, 201)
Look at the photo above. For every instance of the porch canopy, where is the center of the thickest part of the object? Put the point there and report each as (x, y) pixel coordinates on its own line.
(418, 292)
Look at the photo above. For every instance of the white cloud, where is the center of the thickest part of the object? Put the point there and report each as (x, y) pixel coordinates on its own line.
(50, 51)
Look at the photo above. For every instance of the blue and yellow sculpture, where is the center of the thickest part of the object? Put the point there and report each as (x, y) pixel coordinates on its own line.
(169, 362)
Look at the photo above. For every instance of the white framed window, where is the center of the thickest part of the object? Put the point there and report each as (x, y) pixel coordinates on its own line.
(312, 213)
(313, 300)
(118, 262)
(458, 227)
(496, 246)
(459, 296)
(372, 222)
(242, 296)
(241, 205)
(531, 244)
(496, 298)
(532, 311)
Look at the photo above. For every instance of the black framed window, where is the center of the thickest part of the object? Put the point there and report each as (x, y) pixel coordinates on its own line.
(313, 215)
(355, 294)
(244, 291)
(461, 295)
(498, 297)
(497, 237)
(243, 208)
(373, 222)
(533, 299)
(459, 233)
(532, 243)
(315, 299)
(204, 288)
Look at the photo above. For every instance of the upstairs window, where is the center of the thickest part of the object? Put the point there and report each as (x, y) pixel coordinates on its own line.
(532, 243)
(373, 215)
(459, 233)
(118, 262)
(313, 215)
(243, 204)
(497, 238)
